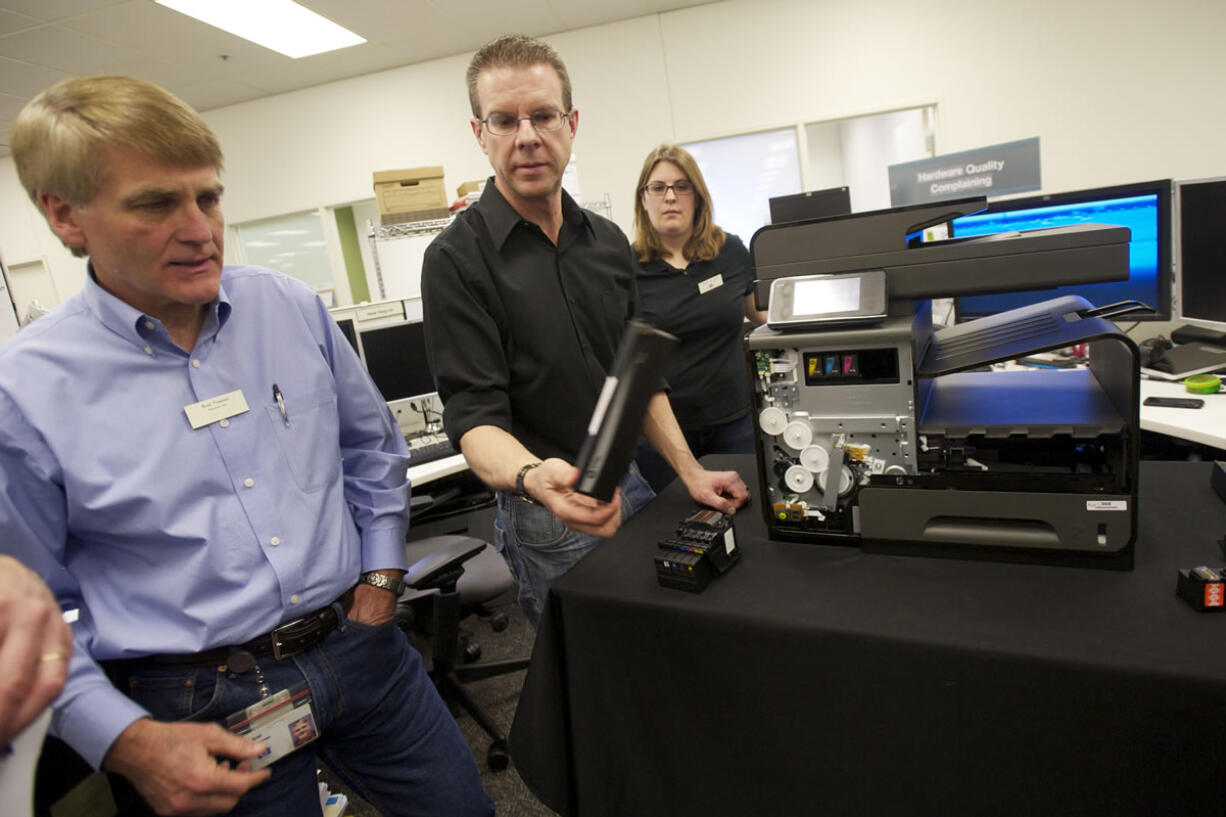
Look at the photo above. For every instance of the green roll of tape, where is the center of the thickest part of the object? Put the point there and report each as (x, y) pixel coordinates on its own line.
(1203, 384)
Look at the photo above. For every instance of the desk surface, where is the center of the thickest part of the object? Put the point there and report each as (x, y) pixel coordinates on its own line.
(430, 471)
(1206, 425)
(822, 679)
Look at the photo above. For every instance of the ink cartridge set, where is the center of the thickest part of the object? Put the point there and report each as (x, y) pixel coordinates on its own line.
(703, 547)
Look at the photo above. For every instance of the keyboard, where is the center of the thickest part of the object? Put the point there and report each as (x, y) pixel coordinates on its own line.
(428, 448)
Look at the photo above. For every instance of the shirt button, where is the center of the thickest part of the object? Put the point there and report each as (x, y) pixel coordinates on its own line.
(276, 540)
(293, 599)
(148, 324)
(224, 424)
(148, 350)
(195, 364)
(249, 482)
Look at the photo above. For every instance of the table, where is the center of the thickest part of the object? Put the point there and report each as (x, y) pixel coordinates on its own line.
(1206, 425)
(817, 679)
(431, 471)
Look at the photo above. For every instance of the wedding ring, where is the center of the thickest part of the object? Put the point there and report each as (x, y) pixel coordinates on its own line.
(53, 656)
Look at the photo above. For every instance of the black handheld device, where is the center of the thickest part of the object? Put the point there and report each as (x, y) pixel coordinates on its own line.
(618, 417)
(1174, 402)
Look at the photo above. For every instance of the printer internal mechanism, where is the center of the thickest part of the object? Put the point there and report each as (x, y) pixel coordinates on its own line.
(883, 432)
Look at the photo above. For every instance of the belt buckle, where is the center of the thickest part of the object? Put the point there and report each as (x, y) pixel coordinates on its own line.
(297, 634)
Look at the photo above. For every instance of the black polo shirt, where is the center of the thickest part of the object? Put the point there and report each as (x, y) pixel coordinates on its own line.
(707, 372)
(521, 333)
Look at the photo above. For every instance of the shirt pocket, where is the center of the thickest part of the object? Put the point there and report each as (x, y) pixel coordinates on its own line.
(310, 440)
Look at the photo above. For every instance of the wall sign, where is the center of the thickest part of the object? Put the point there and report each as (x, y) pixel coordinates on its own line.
(993, 171)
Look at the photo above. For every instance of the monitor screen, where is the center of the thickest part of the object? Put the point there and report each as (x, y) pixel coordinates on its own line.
(350, 332)
(1143, 208)
(396, 360)
(835, 201)
(1202, 252)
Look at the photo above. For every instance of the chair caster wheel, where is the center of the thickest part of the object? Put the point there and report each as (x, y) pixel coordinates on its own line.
(472, 652)
(499, 622)
(498, 758)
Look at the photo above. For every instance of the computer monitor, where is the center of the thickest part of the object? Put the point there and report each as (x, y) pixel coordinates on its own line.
(349, 330)
(396, 360)
(389, 339)
(1201, 255)
(834, 201)
(1144, 208)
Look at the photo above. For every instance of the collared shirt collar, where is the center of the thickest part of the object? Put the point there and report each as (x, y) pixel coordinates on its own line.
(658, 266)
(501, 218)
(129, 322)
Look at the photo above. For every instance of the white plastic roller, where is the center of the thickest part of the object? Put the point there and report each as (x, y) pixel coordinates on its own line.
(798, 479)
(772, 420)
(815, 458)
(798, 434)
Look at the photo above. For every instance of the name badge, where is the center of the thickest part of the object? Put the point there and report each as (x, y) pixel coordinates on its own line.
(216, 408)
(714, 282)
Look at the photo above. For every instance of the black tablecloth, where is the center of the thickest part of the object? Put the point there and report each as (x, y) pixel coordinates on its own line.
(818, 679)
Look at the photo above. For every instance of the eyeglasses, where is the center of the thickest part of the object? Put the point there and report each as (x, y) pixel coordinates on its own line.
(681, 188)
(505, 124)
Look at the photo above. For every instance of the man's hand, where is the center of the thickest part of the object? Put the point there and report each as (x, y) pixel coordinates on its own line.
(181, 768)
(552, 484)
(723, 490)
(34, 647)
(374, 605)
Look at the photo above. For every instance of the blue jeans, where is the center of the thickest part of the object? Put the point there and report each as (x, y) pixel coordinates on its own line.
(734, 437)
(539, 548)
(383, 728)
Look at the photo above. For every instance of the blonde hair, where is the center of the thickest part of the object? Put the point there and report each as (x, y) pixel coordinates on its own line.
(59, 137)
(515, 50)
(706, 240)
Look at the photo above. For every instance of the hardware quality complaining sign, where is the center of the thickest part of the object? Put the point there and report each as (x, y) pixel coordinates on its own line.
(1012, 167)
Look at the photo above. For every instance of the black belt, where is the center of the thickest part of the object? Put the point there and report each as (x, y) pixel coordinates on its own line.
(288, 639)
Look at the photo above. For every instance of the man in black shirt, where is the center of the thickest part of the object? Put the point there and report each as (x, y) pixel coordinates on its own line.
(525, 298)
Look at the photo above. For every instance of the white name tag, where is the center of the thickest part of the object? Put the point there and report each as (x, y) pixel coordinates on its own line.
(216, 408)
(714, 282)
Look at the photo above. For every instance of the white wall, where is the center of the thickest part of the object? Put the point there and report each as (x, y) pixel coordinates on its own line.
(1117, 91)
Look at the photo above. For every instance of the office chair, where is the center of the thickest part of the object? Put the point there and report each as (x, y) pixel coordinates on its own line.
(449, 578)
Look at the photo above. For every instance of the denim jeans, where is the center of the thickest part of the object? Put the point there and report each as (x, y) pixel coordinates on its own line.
(734, 437)
(383, 728)
(539, 548)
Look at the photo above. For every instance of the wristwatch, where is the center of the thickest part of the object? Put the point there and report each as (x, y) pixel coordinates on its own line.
(519, 482)
(386, 582)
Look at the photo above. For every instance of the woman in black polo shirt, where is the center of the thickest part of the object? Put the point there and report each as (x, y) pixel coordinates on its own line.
(694, 281)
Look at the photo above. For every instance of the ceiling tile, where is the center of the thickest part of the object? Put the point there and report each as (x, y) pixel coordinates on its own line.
(488, 19)
(49, 10)
(25, 80)
(156, 31)
(61, 49)
(378, 20)
(10, 22)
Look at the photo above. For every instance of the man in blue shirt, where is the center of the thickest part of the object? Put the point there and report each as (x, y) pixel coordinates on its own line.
(194, 458)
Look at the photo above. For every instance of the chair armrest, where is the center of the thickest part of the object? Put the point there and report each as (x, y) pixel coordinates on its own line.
(444, 566)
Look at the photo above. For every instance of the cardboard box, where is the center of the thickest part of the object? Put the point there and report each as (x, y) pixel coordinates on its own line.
(415, 194)
(468, 187)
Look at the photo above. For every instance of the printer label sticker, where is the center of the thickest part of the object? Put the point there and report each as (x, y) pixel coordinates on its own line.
(1106, 505)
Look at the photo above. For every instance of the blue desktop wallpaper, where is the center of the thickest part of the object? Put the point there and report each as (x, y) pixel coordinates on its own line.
(1138, 213)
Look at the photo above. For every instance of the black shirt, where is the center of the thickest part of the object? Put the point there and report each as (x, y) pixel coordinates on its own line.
(520, 333)
(707, 371)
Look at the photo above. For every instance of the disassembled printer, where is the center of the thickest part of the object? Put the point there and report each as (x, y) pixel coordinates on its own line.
(875, 429)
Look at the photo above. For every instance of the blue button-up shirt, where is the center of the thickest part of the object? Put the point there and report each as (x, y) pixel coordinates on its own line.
(171, 539)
